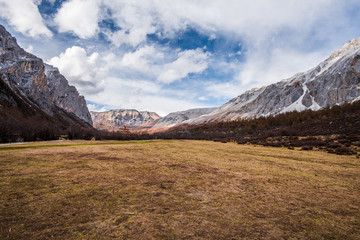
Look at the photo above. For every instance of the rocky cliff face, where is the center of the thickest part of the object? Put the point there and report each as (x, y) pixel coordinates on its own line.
(115, 119)
(334, 81)
(66, 96)
(179, 117)
(45, 87)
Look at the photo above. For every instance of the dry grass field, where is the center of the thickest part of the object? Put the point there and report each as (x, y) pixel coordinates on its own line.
(176, 190)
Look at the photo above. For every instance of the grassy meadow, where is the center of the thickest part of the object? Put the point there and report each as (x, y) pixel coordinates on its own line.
(176, 190)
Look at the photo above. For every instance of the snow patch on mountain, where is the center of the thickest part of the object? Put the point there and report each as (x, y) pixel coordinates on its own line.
(334, 81)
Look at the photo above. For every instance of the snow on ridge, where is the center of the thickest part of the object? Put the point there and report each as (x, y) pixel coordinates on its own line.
(347, 49)
(315, 106)
(297, 105)
(255, 92)
(318, 80)
(356, 99)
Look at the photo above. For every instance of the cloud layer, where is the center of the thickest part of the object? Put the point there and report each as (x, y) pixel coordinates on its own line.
(24, 16)
(81, 70)
(189, 61)
(254, 20)
(79, 17)
(165, 55)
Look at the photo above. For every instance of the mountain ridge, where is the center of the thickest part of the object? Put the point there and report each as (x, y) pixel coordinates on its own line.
(336, 80)
(36, 101)
(179, 117)
(143, 120)
(40, 83)
(115, 119)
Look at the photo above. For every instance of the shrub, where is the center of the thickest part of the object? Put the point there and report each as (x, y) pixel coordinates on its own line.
(333, 145)
(345, 151)
(306, 148)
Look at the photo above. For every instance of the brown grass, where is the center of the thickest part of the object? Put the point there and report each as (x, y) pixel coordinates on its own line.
(176, 190)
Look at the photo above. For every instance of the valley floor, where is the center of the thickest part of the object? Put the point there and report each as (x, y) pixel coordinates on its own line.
(176, 190)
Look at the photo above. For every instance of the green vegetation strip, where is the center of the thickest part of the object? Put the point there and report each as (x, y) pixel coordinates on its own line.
(14, 148)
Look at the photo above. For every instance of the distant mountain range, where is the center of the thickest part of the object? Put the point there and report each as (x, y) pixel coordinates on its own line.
(31, 88)
(175, 118)
(115, 119)
(334, 81)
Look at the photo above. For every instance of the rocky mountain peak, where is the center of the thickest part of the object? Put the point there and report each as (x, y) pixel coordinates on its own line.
(8, 45)
(351, 47)
(334, 81)
(40, 84)
(114, 119)
(65, 96)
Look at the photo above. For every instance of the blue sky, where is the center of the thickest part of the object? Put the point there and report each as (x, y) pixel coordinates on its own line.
(166, 56)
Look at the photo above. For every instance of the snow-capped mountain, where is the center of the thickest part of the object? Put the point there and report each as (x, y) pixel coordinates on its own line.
(141, 120)
(334, 81)
(115, 119)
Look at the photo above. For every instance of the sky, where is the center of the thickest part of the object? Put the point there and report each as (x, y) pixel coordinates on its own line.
(166, 56)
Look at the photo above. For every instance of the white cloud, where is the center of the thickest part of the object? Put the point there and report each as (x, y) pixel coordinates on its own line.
(255, 20)
(278, 37)
(83, 71)
(225, 90)
(97, 108)
(79, 17)
(109, 80)
(188, 61)
(165, 64)
(145, 59)
(203, 98)
(278, 64)
(141, 95)
(135, 18)
(259, 25)
(262, 69)
(133, 36)
(25, 17)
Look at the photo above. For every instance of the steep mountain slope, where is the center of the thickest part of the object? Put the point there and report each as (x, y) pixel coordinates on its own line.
(179, 117)
(15, 109)
(66, 96)
(34, 106)
(37, 86)
(334, 81)
(115, 119)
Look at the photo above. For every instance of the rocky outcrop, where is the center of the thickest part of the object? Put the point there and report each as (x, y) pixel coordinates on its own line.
(115, 119)
(66, 96)
(23, 71)
(334, 81)
(179, 117)
(44, 87)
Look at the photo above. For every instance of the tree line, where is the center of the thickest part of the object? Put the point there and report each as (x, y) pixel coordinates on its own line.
(342, 119)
